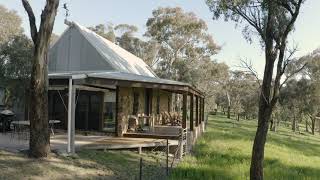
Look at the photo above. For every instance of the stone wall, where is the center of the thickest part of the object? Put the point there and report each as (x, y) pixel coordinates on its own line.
(125, 105)
(126, 96)
(164, 100)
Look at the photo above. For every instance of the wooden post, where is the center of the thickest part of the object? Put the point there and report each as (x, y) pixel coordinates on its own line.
(117, 111)
(167, 157)
(197, 111)
(140, 172)
(202, 118)
(191, 112)
(71, 118)
(200, 110)
(184, 111)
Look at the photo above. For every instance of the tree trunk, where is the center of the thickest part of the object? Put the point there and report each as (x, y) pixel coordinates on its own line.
(307, 130)
(319, 125)
(294, 123)
(271, 124)
(238, 117)
(39, 125)
(256, 169)
(265, 107)
(229, 106)
(313, 122)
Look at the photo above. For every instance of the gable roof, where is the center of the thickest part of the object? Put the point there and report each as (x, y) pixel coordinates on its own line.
(80, 49)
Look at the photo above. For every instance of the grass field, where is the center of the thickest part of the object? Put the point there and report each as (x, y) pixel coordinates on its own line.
(88, 164)
(224, 152)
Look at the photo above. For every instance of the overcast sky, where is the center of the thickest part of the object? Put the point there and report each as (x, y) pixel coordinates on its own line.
(136, 12)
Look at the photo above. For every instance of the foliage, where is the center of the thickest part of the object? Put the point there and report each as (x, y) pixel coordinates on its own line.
(272, 21)
(10, 24)
(124, 36)
(105, 31)
(15, 64)
(244, 93)
(302, 106)
(15, 57)
(183, 40)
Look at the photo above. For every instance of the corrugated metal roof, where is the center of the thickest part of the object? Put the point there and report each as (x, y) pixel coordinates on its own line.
(80, 49)
(114, 75)
(80, 53)
(131, 77)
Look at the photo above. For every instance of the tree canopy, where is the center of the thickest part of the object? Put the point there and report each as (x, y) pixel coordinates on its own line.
(183, 40)
(10, 24)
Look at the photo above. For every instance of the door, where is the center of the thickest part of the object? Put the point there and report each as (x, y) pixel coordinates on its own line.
(88, 110)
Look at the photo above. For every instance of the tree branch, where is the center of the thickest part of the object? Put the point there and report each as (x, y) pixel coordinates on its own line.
(32, 20)
(250, 21)
(249, 67)
(294, 73)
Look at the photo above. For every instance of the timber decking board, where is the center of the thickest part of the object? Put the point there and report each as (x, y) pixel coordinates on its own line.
(128, 143)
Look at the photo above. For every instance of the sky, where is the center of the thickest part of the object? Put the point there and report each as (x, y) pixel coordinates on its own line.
(136, 12)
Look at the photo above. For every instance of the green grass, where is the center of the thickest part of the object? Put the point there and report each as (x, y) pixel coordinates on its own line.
(224, 152)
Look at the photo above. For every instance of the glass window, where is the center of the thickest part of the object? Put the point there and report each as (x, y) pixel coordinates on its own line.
(1, 96)
(135, 103)
(109, 121)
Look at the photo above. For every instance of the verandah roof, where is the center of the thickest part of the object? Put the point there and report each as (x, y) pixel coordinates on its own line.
(126, 79)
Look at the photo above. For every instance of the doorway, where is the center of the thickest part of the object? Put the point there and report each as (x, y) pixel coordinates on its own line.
(89, 110)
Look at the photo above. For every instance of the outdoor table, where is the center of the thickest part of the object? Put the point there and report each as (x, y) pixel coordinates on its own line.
(52, 123)
(27, 123)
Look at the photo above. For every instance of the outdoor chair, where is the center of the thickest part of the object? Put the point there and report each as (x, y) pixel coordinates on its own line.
(132, 124)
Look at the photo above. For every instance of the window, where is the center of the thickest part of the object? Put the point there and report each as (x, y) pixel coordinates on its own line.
(158, 103)
(148, 102)
(1, 96)
(109, 111)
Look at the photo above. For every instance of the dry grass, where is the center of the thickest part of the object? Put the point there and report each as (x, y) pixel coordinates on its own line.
(88, 164)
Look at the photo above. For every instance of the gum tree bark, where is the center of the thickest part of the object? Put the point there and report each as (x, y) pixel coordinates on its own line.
(39, 144)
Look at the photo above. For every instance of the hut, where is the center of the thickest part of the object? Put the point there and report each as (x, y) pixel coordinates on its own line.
(95, 85)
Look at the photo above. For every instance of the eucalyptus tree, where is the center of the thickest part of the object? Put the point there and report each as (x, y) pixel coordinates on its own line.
(183, 40)
(15, 64)
(106, 31)
(312, 73)
(124, 35)
(272, 21)
(210, 77)
(10, 27)
(126, 38)
(244, 93)
(39, 143)
(10, 24)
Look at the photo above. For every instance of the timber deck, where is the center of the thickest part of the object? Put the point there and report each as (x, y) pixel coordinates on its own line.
(128, 143)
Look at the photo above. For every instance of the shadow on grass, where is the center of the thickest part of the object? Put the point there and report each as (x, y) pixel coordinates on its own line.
(125, 164)
(89, 164)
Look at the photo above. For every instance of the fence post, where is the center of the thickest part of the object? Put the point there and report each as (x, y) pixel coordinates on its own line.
(140, 172)
(167, 157)
(181, 144)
